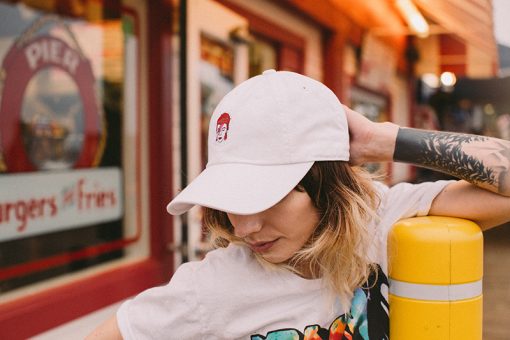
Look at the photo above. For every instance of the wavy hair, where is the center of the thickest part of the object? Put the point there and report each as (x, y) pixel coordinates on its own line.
(338, 250)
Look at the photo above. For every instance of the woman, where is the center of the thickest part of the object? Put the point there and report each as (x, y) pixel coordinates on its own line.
(300, 228)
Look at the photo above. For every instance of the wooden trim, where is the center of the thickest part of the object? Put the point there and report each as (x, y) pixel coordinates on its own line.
(450, 46)
(160, 126)
(457, 17)
(353, 18)
(333, 68)
(37, 313)
(324, 13)
(266, 28)
(290, 59)
(67, 257)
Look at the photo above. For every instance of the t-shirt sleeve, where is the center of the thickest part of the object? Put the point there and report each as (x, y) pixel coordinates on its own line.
(165, 312)
(410, 200)
(403, 200)
(406, 200)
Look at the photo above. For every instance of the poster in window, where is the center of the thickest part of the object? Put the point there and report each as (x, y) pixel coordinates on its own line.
(61, 108)
(216, 80)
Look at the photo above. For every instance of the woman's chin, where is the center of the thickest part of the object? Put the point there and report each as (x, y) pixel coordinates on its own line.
(274, 258)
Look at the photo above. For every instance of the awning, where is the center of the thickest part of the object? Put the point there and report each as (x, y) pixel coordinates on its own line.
(471, 21)
(491, 90)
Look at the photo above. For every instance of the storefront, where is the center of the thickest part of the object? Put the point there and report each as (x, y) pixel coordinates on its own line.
(77, 162)
(104, 107)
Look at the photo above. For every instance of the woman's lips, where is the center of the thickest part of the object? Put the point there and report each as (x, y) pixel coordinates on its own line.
(261, 247)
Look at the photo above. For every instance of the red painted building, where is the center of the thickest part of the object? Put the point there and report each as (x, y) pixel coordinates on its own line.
(104, 107)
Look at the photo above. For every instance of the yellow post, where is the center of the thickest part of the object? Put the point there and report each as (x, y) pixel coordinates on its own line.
(435, 268)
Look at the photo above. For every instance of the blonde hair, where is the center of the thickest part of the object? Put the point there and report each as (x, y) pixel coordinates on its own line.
(338, 250)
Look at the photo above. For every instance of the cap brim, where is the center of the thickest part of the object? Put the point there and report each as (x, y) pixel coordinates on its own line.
(239, 188)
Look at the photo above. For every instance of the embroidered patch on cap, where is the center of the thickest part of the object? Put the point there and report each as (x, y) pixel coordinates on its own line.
(222, 125)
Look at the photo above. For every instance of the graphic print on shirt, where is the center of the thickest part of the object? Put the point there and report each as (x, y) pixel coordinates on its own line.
(367, 320)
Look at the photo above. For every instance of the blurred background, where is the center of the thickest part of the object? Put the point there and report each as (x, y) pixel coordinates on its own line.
(104, 109)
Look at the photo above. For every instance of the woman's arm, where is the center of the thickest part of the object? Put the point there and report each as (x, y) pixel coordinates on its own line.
(109, 330)
(482, 162)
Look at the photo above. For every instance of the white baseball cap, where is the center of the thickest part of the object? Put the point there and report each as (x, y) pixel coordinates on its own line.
(264, 136)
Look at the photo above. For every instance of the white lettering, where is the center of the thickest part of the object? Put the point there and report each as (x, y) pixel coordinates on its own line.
(33, 53)
(51, 51)
(70, 60)
(55, 47)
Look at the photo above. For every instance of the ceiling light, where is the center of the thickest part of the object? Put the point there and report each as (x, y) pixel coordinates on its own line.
(413, 17)
(448, 79)
(431, 80)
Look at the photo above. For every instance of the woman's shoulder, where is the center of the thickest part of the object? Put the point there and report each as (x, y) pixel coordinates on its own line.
(235, 266)
(399, 194)
(233, 250)
(233, 254)
(380, 188)
(223, 262)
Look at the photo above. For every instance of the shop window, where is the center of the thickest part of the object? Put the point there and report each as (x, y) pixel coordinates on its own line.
(68, 138)
(271, 45)
(263, 56)
(216, 80)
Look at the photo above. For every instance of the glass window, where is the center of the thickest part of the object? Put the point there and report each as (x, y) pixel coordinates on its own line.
(216, 80)
(263, 56)
(68, 138)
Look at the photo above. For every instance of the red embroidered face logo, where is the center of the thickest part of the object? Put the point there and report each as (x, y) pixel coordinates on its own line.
(222, 125)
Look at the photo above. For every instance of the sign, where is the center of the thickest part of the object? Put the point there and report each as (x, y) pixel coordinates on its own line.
(45, 202)
(378, 64)
(44, 127)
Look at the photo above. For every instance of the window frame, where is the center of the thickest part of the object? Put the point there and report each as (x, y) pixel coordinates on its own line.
(290, 46)
(47, 308)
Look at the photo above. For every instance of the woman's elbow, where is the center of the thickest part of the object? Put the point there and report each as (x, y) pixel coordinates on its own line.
(109, 330)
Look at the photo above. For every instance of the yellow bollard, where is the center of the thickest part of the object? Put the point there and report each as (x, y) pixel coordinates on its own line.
(435, 268)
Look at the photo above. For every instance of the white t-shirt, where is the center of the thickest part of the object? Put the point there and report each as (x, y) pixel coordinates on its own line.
(229, 295)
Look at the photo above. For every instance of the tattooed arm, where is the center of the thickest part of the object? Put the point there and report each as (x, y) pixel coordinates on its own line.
(482, 164)
(482, 161)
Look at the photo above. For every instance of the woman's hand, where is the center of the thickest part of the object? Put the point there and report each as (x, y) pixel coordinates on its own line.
(370, 141)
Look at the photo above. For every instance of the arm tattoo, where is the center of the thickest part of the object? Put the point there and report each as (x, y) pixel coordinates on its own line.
(445, 152)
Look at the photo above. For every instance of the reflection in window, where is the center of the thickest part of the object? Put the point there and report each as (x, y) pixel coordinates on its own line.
(263, 56)
(52, 120)
(216, 80)
(61, 173)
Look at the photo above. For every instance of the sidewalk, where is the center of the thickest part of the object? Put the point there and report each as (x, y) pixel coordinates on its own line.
(496, 284)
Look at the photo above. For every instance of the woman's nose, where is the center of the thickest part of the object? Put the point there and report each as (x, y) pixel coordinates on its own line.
(245, 225)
